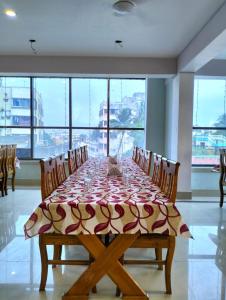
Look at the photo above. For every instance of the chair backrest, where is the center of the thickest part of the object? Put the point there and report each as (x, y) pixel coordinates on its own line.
(71, 161)
(169, 178)
(60, 169)
(222, 165)
(86, 152)
(10, 159)
(141, 158)
(147, 162)
(48, 176)
(2, 162)
(134, 156)
(78, 158)
(83, 154)
(157, 169)
(137, 158)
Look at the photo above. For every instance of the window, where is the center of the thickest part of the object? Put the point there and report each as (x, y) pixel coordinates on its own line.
(106, 114)
(15, 114)
(21, 120)
(209, 121)
(20, 102)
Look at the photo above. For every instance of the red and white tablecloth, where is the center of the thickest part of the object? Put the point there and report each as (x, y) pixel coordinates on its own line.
(90, 202)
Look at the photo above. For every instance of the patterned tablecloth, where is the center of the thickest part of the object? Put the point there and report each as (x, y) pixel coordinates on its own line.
(90, 202)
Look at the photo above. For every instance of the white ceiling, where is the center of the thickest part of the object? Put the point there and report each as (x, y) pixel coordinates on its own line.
(156, 28)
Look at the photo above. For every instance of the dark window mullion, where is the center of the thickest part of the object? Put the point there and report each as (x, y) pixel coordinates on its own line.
(108, 116)
(70, 113)
(32, 117)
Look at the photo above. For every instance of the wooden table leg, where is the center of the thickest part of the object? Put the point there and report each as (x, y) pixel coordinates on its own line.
(107, 262)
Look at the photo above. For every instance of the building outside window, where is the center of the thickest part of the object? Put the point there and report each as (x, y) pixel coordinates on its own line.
(106, 114)
(209, 120)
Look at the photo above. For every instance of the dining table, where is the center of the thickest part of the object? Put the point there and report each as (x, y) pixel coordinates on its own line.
(90, 203)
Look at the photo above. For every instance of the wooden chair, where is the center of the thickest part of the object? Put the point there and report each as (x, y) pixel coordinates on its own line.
(145, 160)
(10, 168)
(134, 156)
(222, 179)
(166, 176)
(168, 184)
(137, 158)
(60, 169)
(49, 183)
(140, 158)
(86, 152)
(83, 154)
(2, 170)
(78, 158)
(48, 176)
(72, 167)
(157, 169)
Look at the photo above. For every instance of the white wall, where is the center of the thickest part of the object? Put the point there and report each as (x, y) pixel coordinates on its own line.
(178, 137)
(155, 123)
(46, 65)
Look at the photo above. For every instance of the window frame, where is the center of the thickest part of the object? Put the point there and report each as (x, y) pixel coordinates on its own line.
(204, 127)
(108, 128)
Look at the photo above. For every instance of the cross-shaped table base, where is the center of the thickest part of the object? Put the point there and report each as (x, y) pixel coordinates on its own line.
(106, 262)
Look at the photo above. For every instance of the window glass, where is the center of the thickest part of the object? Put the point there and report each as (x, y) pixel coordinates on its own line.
(127, 103)
(15, 101)
(89, 102)
(206, 145)
(19, 136)
(51, 102)
(209, 103)
(48, 142)
(123, 141)
(209, 110)
(96, 139)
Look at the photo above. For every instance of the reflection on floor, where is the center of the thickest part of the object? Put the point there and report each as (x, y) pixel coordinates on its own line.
(198, 272)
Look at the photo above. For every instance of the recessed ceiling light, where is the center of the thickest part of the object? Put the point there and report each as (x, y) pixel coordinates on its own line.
(10, 12)
(123, 7)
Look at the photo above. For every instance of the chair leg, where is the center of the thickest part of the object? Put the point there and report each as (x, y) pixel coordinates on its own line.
(2, 189)
(57, 253)
(169, 259)
(13, 182)
(44, 263)
(221, 194)
(158, 255)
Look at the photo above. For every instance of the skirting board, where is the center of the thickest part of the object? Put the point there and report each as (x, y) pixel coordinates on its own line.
(206, 193)
(184, 195)
(28, 182)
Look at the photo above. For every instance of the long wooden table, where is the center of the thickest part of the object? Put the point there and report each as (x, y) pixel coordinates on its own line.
(89, 204)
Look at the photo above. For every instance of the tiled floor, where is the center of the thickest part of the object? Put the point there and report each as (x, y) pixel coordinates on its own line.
(198, 271)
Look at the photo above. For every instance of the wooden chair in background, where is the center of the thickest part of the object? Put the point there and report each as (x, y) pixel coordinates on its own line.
(2, 170)
(134, 156)
(86, 152)
(83, 154)
(169, 178)
(147, 162)
(72, 167)
(10, 167)
(60, 169)
(137, 158)
(140, 158)
(222, 179)
(78, 158)
(48, 176)
(157, 169)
